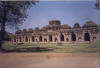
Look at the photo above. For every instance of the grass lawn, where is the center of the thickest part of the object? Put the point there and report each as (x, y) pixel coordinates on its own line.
(58, 48)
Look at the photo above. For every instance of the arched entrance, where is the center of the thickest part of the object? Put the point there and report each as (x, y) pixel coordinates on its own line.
(67, 39)
(56, 39)
(50, 38)
(87, 37)
(73, 37)
(20, 39)
(14, 39)
(32, 38)
(61, 37)
(26, 39)
(40, 38)
(45, 40)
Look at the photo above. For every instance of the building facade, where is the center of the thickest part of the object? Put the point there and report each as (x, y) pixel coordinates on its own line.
(54, 32)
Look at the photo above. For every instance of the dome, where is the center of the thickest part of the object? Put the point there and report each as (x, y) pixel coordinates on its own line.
(65, 26)
(30, 30)
(18, 31)
(89, 24)
(37, 28)
(76, 25)
(24, 30)
(98, 25)
(54, 22)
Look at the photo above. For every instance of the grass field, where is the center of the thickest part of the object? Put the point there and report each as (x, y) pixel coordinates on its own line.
(59, 48)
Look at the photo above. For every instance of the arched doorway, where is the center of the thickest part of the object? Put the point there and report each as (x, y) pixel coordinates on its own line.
(73, 37)
(56, 39)
(87, 37)
(40, 38)
(20, 39)
(45, 40)
(14, 39)
(26, 39)
(61, 37)
(32, 38)
(50, 38)
(67, 39)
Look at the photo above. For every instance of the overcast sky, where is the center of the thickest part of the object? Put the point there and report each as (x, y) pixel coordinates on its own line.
(68, 12)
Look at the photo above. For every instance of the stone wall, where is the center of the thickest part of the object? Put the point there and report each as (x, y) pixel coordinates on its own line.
(89, 33)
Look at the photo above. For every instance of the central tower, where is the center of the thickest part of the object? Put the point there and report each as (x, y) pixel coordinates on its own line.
(54, 22)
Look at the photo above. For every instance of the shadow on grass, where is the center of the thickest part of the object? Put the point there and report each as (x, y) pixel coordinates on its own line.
(32, 49)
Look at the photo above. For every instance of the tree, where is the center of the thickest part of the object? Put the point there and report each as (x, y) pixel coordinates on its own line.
(97, 4)
(13, 13)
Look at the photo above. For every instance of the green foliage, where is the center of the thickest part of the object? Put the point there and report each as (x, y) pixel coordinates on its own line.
(97, 4)
(14, 12)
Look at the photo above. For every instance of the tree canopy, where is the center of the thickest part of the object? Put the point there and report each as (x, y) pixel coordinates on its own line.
(13, 13)
(98, 4)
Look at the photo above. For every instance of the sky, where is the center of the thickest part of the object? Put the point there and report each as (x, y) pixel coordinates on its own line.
(68, 12)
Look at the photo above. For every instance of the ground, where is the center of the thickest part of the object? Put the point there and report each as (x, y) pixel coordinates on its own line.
(59, 56)
(49, 60)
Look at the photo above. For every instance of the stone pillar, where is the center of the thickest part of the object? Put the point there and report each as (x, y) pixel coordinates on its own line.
(28, 39)
(69, 35)
(48, 39)
(24, 39)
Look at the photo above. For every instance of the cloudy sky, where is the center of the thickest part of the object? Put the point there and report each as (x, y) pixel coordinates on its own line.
(68, 12)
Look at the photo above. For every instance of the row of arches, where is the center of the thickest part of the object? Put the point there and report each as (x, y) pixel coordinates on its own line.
(73, 38)
(86, 37)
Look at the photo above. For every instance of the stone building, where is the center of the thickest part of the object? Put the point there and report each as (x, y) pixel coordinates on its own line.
(54, 32)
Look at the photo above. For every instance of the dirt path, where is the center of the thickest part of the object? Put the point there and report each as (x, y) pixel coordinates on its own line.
(49, 60)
